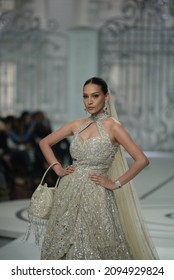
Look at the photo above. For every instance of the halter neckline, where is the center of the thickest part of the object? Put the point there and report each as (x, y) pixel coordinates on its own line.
(99, 117)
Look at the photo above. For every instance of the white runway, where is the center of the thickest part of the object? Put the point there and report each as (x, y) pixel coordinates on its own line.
(155, 187)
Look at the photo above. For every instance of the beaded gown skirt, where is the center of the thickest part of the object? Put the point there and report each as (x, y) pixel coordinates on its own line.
(84, 223)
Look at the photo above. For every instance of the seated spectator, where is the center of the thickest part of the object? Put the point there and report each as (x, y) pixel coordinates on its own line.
(21, 162)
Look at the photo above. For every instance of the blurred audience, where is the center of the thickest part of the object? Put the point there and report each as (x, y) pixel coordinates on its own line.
(21, 161)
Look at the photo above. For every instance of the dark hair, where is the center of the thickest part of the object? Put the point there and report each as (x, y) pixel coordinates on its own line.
(97, 81)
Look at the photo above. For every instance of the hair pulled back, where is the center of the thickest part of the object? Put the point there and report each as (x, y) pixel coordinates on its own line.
(98, 81)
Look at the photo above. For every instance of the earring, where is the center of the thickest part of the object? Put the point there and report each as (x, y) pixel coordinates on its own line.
(105, 108)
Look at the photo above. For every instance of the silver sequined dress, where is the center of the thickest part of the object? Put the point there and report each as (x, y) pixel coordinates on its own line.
(84, 222)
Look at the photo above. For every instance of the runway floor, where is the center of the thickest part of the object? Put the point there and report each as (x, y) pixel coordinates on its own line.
(155, 188)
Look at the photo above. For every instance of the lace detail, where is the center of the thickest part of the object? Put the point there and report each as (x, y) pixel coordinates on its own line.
(84, 222)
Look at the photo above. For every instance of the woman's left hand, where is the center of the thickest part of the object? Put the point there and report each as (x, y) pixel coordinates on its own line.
(102, 181)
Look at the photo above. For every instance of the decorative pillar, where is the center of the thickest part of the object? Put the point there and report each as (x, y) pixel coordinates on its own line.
(83, 64)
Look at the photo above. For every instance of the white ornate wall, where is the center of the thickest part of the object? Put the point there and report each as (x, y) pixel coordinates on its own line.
(83, 64)
(55, 46)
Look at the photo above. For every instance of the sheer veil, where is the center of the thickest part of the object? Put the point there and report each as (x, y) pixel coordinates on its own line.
(130, 212)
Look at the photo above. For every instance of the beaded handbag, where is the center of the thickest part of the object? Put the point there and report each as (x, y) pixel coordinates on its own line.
(40, 206)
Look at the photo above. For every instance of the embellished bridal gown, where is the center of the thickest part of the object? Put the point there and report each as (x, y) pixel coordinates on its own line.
(84, 222)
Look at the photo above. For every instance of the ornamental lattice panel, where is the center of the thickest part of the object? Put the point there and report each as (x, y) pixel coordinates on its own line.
(136, 56)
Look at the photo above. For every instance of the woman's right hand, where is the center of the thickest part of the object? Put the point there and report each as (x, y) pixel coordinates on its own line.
(61, 172)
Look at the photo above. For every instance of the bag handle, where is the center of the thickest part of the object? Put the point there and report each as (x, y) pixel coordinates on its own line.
(49, 167)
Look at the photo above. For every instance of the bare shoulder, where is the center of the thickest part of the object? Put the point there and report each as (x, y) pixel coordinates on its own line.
(112, 124)
(113, 127)
(78, 122)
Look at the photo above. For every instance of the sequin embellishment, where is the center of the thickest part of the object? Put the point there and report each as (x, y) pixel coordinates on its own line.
(84, 222)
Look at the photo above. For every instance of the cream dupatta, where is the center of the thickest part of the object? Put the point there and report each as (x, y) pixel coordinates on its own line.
(131, 216)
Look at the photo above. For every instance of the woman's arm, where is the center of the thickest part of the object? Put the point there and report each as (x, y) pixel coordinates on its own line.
(120, 136)
(140, 160)
(54, 137)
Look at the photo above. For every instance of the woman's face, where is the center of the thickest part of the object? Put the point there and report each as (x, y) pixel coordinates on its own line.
(94, 98)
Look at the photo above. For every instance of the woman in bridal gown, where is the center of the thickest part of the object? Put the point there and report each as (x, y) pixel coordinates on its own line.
(91, 216)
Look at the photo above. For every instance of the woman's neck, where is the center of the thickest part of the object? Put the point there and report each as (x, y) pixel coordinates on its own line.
(100, 116)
